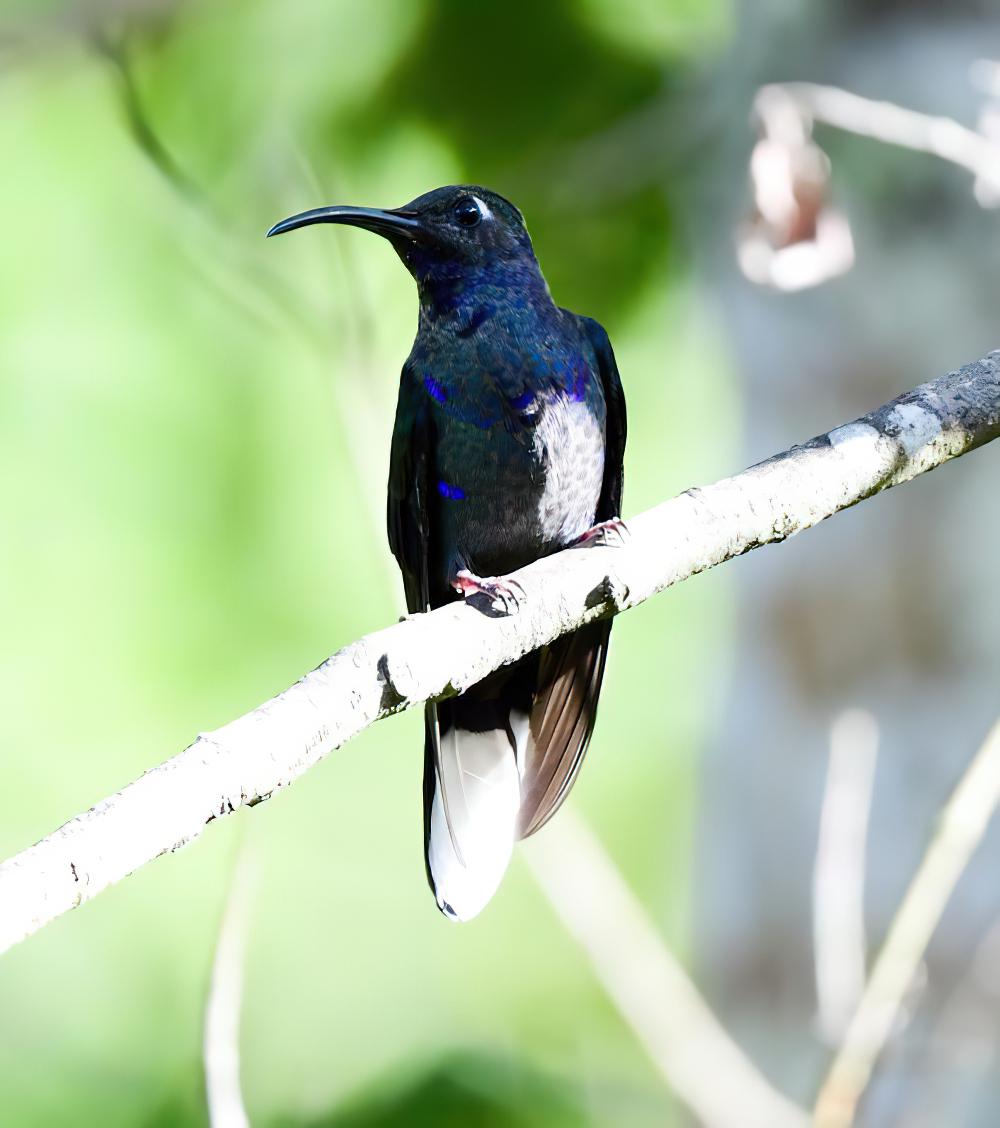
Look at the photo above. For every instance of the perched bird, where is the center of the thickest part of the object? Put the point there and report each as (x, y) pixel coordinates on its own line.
(507, 446)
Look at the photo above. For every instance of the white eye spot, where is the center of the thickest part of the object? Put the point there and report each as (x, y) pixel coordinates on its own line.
(484, 211)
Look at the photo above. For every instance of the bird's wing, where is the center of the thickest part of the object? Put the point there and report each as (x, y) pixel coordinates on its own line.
(610, 504)
(408, 514)
(410, 483)
(562, 718)
(571, 669)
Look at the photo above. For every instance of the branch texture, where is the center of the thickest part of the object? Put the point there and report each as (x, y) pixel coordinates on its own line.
(445, 651)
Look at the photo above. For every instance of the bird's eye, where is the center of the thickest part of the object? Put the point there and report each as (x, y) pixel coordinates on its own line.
(467, 212)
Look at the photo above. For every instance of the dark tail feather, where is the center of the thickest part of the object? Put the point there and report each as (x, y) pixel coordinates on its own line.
(570, 672)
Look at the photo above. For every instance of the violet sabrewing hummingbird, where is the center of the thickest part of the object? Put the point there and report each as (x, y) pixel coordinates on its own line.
(507, 446)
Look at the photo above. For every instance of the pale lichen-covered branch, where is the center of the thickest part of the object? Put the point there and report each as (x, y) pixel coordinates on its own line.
(442, 652)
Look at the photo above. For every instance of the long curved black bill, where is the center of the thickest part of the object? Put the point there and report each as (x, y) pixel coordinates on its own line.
(372, 219)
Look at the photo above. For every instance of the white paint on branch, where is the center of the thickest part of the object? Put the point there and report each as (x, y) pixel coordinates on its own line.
(428, 656)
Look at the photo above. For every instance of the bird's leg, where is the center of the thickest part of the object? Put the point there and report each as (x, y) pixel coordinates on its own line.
(612, 534)
(505, 595)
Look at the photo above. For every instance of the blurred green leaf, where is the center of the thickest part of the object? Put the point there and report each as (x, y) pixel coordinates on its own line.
(460, 1090)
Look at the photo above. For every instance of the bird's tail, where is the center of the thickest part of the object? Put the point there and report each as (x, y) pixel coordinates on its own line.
(500, 759)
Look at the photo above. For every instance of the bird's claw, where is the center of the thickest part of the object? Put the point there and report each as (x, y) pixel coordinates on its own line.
(505, 595)
(610, 534)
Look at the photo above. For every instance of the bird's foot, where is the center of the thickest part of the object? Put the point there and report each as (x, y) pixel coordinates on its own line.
(504, 595)
(611, 534)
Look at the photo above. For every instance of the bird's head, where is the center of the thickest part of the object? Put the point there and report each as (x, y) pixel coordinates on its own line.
(461, 231)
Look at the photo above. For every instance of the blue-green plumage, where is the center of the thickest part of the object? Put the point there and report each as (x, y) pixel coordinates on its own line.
(507, 446)
(487, 414)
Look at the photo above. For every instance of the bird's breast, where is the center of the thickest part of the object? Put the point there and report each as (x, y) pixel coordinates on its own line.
(569, 449)
(510, 496)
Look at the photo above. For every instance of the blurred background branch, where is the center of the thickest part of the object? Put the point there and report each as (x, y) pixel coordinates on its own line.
(223, 1006)
(839, 871)
(693, 1052)
(883, 121)
(112, 46)
(796, 237)
(960, 828)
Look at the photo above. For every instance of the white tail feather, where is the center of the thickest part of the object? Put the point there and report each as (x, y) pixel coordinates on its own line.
(479, 772)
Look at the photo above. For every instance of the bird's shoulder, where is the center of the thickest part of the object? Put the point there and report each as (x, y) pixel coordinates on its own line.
(505, 372)
(592, 335)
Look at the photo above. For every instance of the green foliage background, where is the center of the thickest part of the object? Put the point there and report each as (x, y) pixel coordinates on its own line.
(194, 432)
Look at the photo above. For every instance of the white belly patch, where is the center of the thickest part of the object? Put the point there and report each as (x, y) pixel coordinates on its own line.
(569, 443)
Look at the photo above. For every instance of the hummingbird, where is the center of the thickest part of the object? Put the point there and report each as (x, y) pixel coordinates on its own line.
(508, 445)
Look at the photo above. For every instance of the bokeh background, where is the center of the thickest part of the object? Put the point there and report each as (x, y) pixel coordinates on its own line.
(194, 430)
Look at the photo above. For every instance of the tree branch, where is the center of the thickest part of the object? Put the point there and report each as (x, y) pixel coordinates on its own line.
(894, 125)
(220, 1050)
(693, 1052)
(961, 826)
(838, 887)
(447, 650)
